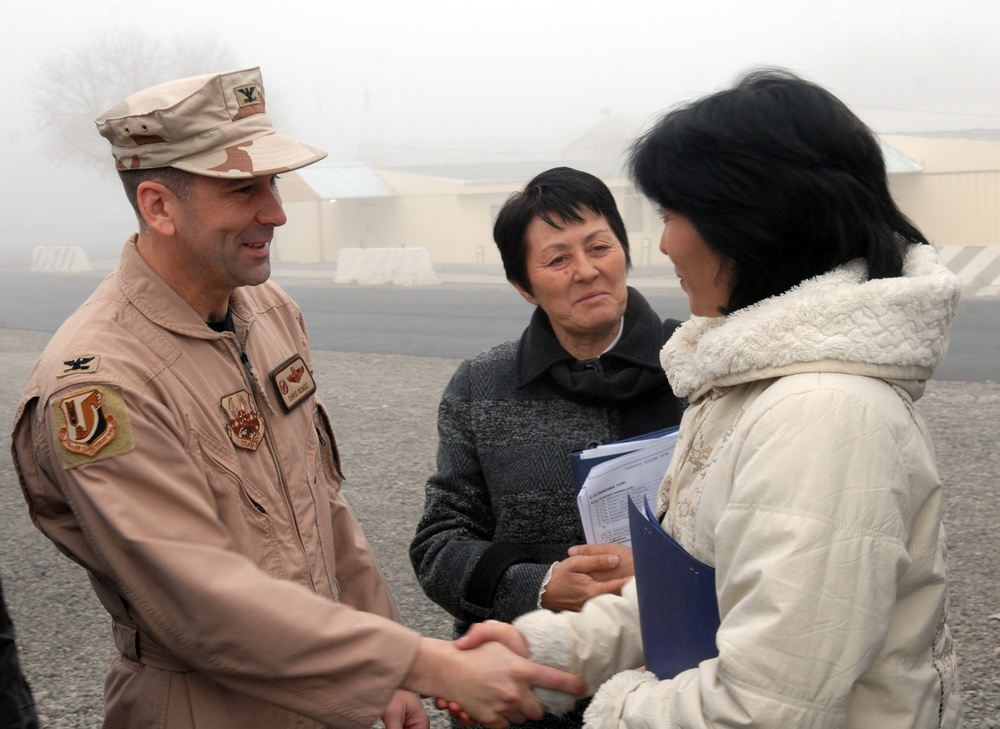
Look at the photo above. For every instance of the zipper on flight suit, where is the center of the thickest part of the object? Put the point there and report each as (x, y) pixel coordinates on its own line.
(255, 393)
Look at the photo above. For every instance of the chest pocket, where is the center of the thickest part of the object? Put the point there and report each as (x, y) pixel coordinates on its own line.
(248, 513)
(324, 474)
(327, 456)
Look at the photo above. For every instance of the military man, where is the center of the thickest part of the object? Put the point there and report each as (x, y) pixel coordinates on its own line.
(170, 441)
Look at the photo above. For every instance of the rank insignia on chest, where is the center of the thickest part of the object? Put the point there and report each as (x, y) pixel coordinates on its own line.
(293, 381)
(245, 426)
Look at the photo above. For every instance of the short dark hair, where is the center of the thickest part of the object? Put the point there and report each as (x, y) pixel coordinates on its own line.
(780, 178)
(561, 192)
(179, 181)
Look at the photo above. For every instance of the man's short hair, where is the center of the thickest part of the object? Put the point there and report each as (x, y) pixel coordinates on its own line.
(177, 180)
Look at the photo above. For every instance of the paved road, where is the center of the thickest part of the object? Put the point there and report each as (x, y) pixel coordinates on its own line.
(453, 320)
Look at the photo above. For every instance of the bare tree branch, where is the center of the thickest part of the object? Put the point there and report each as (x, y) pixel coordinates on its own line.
(76, 86)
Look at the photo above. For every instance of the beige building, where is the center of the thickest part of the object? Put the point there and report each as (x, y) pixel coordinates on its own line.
(950, 187)
(954, 198)
(330, 207)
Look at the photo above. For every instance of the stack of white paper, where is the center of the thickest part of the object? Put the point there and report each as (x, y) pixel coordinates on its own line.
(607, 475)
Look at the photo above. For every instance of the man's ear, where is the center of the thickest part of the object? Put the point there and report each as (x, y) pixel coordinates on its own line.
(525, 293)
(158, 206)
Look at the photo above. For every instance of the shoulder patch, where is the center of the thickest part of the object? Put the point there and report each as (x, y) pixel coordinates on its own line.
(86, 363)
(92, 424)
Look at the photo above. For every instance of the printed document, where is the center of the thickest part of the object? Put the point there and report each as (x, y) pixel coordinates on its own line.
(605, 488)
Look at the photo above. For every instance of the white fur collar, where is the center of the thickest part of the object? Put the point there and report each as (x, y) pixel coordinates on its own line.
(894, 328)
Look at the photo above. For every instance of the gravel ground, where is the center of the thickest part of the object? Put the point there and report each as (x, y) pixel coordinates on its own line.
(384, 410)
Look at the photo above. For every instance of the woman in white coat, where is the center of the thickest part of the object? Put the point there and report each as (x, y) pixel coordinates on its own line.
(804, 474)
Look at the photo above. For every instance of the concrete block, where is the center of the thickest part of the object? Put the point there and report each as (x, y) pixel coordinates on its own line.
(378, 266)
(59, 259)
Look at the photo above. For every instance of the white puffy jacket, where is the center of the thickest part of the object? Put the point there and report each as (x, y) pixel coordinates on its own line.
(805, 476)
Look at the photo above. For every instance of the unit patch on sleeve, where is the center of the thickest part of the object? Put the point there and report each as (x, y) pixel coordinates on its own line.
(294, 382)
(92, 425)
(245, 426)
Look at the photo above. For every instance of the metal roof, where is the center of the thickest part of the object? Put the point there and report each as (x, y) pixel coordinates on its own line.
(971, 135)
(344, 181)
(333, 182)
(519, 172)
(897, 163)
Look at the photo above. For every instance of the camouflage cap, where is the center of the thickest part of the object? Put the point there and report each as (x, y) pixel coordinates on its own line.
(213, 125)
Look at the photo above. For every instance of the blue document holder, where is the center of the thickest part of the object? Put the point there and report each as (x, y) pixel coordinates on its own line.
(678, 608)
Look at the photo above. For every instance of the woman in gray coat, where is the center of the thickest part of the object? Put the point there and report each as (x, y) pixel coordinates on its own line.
(500, 514)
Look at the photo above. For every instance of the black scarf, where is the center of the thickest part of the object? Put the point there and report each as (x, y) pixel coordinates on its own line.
(628, 376)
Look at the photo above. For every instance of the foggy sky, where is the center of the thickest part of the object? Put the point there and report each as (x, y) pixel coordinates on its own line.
(485, 79)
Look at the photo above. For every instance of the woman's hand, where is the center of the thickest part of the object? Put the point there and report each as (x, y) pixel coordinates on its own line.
(490, 683)
(590, 570)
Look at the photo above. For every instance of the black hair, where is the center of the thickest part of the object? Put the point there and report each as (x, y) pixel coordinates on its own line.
(561, 192)
(779, 178)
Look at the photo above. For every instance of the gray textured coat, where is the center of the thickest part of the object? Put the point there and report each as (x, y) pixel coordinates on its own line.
(501, 507)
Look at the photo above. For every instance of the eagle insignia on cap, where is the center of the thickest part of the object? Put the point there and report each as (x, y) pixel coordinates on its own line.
(247, 95)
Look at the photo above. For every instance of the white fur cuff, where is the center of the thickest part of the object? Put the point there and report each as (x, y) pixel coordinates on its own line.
(605, 711)
(549, 640)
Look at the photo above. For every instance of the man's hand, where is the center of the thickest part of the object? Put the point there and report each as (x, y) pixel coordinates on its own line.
(491, 684)
(495, 631)
(489, 630)
(405, 712)
(590, 570)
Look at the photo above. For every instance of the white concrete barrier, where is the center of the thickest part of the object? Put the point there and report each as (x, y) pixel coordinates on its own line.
(59, 259)
(977, 266)
(377, 266)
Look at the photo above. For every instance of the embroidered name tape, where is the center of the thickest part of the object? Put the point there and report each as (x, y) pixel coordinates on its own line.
(293, 381)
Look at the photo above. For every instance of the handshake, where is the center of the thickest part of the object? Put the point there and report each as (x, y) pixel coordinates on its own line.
(487, 676)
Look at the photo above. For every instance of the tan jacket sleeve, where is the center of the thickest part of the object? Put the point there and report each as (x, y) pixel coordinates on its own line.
(145, 523)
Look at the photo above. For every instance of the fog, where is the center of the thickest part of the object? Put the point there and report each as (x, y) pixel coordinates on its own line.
(444, 80)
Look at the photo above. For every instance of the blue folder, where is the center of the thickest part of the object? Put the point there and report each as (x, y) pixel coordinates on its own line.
(678, 608)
